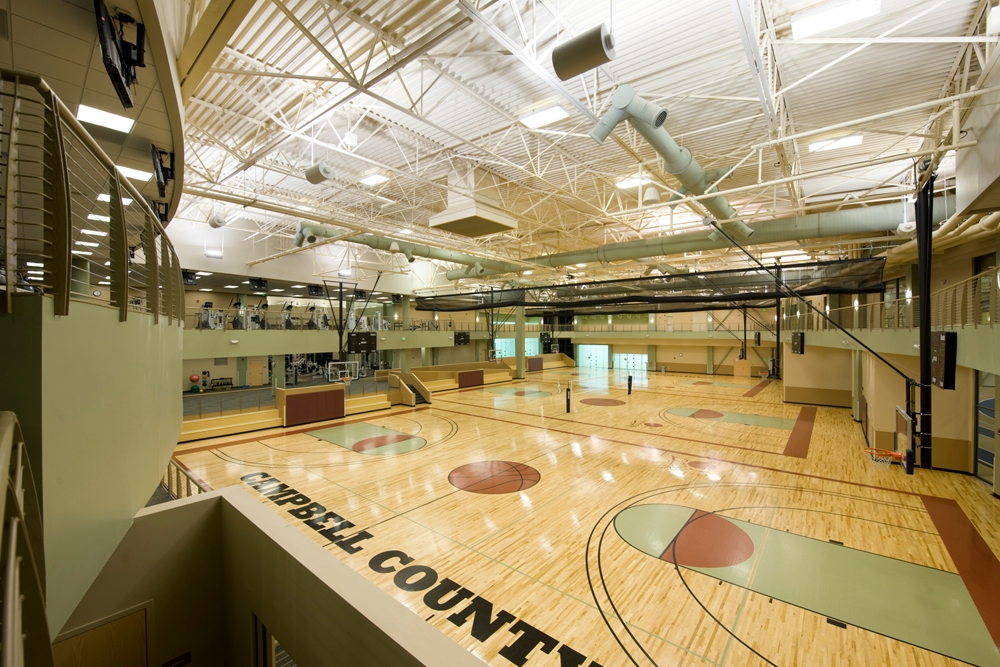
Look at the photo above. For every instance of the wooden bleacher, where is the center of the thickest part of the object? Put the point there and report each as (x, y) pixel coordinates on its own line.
(213, 427)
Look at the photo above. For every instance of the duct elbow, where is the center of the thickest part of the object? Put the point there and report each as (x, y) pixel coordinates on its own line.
(299, 239)
(741, 228)
(409, 256)
(607, 124)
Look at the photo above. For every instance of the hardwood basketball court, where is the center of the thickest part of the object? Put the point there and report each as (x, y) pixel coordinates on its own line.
(697, 521)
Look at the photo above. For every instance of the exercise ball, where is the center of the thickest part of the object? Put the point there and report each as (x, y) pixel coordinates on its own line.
(194, 377)
(195, 389)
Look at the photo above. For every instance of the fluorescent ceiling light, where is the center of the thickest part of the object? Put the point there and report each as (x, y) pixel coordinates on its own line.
(107, 263)
(104, 282)
(99, 218)
(89, 244)
(528, 272)
(36, 273)
(833, 14)
(203, 273)
(81, 252)
(277, 289)
(135, 174)
(86, 114)
(230, 287)
(38, 264)
(632, 182)
(842, 142)
(406, 231)
(107, 198)
(35, 278)
(245, 282)
(258, 293)
(374, 179)
(298, 286)
(93, 232)
(545, 117)
(580, 266)
(204, 289)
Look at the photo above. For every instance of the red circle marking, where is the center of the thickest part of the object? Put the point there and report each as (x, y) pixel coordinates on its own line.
(494, 477)
(709, 540)
(379, 441)
(702, 465)
(602, 401)
(707, 414)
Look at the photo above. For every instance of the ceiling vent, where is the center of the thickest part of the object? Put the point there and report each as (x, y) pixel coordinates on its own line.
(476, 214)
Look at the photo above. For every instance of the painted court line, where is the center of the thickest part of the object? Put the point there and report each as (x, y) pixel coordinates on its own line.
(756, 390)
(798, 441)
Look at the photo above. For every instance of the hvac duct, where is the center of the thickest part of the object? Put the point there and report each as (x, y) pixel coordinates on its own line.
(866, 220)
(584, 52)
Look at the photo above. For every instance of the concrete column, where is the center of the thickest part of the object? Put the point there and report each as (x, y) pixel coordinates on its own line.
(710, 357)
(611, 357)
(651, 358)
(576, 355)
(404, 365)
(856, 385)
(278, 371)
(241, 371)
(519, 340)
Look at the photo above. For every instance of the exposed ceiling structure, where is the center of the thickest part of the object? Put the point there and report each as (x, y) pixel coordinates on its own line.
(398, 100)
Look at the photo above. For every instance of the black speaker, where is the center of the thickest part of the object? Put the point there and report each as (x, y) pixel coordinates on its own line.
(315, 290)
(798, 342)
(189, 278)
(258, 285)
(756, 338)
(397, 298)
(943, 344)
(546, 337)
(360, 295)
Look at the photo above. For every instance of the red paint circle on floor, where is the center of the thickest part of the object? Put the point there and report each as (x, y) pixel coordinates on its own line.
(602, 401)
(702, 465)
(494, 477)
(707, 414)
(709, 540)
(379, 441)
(653, 424)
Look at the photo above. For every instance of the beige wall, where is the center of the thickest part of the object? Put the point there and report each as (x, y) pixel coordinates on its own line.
(205, 566)
(459, 354)
(822, 376)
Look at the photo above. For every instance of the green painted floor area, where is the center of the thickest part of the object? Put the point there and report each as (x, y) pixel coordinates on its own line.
(911, 603)
(370, 439)
(737, 418)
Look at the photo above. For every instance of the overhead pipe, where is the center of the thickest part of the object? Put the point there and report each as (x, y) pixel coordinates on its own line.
(310, 233)
(648, 119)
(973, 228)
(866, 220)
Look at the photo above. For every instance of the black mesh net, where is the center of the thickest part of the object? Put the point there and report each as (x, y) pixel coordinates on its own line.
(751, 287)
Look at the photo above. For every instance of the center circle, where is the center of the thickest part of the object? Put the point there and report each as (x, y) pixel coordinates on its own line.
(494, 477)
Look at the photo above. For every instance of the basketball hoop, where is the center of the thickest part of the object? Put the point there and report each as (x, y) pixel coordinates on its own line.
(763, 374)
(883, 458)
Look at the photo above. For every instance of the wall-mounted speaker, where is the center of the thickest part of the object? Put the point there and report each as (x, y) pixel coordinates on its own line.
(943, 357)
(189, 277)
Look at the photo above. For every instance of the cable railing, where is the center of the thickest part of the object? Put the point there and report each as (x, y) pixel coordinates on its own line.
(180, 483)
(24, 633)
(71, 226)
(971, 303)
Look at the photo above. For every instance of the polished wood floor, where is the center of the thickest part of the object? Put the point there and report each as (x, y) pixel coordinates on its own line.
(532, 542)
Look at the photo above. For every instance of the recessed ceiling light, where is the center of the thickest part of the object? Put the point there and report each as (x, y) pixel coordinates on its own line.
(104, 282)
(36, 273)
(528, 272)
(230, 287)
(107, 198)
(545, 117)
(406, 231)
(107, 263)
(203, 273)
(38, 264)
(135, 174)
(99, 218)
(277, 289)
(833, 14)
(81, 252)
(245, 282)
(204, 289)
(632, 182)
(581, 265)
(86, 114)
(89, 244)
(374, 179)
(93, 232)
(298, 286)
(842, 142)
(259, 294)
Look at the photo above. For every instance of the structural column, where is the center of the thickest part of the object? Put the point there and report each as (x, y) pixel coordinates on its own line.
(710, 357)
(278, 371)
(404, 365)
(519, 340)
(925, 211)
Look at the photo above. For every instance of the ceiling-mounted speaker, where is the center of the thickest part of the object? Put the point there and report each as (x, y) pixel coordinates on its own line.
(318, 173)
(216, 221)
(650, 196)
(584, 52)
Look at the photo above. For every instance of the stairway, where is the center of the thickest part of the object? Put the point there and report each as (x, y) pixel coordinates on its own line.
(417, 394)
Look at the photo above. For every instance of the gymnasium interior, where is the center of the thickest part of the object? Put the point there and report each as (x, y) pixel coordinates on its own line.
(566, 333)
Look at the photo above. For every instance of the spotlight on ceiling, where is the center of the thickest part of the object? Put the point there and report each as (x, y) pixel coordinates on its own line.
(650, 196)
(318, 173)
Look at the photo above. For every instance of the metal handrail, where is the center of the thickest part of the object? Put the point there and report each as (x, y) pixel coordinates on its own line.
(179, 483)
(55, 175)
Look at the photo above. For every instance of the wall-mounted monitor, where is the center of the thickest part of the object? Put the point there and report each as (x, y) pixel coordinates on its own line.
(189, 277)
(120, 57)
(258, 285)
(315, 290)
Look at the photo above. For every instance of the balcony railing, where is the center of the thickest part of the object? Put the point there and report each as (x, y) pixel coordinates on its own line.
(25, 633)
(971, 303)
(71, 226)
